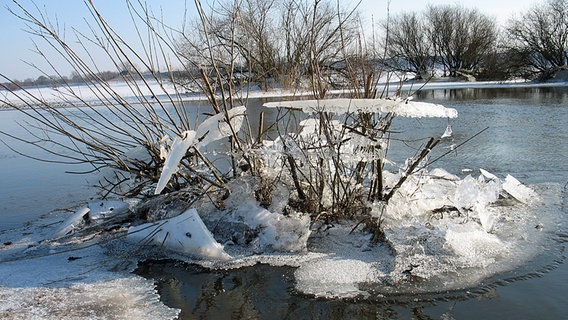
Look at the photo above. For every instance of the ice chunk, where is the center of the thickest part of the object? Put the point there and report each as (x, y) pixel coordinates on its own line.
(185, 233)
(519, 191)
(466, 194)
(400, 107)
(442, 174)
(73, 222)
(448, 132)
(486, 217)
(489, 175)
(179, 148)
(216, 127)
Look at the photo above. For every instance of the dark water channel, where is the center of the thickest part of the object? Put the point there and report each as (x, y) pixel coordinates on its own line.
(527, 137)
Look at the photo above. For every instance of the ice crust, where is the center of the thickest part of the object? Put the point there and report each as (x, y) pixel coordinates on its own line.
(72, 278)
(400, 107)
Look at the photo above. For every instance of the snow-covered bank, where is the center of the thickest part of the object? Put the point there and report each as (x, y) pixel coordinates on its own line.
(153, 90)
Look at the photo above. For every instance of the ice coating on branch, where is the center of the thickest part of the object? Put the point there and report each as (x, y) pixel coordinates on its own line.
(400, 107)
(212, 129)
(216, 127)
(185, 233)
(179, 147)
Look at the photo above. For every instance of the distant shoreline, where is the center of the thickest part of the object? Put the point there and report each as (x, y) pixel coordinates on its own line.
(55, 98)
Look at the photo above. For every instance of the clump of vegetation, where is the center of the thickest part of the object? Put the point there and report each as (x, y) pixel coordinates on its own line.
(331, 160)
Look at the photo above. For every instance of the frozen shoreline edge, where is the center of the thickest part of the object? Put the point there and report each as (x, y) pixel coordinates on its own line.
(408, 86)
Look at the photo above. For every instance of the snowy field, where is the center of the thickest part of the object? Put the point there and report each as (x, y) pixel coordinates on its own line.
(442, 232)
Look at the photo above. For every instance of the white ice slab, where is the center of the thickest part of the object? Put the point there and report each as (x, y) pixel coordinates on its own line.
(400, 107)
(185, 233)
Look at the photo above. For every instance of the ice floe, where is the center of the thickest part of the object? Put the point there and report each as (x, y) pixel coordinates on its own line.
(400, 107)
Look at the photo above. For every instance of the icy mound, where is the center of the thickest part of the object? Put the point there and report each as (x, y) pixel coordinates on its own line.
(441, 233)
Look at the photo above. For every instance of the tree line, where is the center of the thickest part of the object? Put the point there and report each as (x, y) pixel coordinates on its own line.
(465, 41)
(320, 44)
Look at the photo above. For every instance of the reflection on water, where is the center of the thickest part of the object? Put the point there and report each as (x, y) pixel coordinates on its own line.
(258, 292)
(531, 95)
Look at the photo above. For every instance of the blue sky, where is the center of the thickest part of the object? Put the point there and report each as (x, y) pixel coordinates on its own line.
(17, 44)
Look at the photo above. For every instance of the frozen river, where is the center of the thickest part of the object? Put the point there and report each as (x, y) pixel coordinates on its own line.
(527, 137)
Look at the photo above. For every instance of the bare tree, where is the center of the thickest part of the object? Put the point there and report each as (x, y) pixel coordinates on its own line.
(540, 38)
(285, 40)
(408, 44)
(461, 37)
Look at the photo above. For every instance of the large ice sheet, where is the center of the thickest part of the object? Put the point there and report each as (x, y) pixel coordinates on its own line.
(75, 279)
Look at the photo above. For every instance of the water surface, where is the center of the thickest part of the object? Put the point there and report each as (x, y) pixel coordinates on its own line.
(527, 137)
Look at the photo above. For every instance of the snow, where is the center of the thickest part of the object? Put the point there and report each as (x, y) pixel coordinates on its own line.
(185, 233)
(400, 107)
(152, 88)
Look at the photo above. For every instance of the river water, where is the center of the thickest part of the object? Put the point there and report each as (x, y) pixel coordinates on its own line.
(526, 136)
